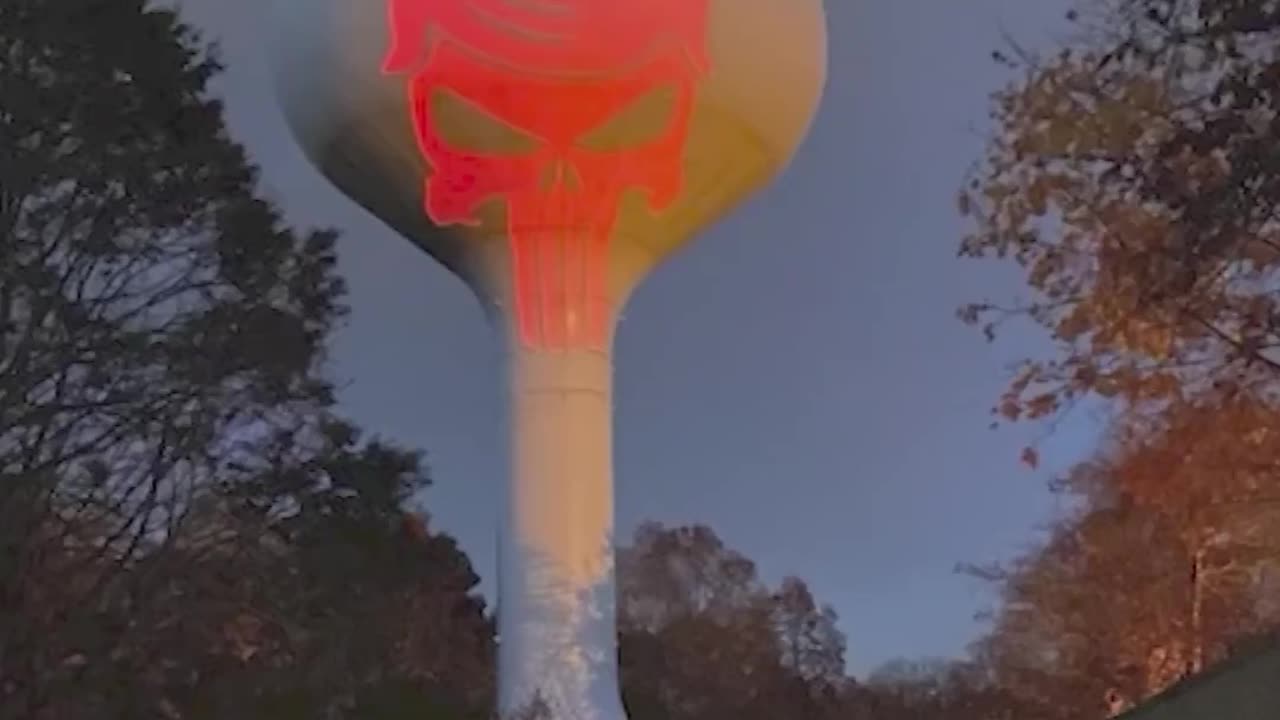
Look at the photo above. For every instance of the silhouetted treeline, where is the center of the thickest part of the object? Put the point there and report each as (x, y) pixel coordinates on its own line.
(189, 531)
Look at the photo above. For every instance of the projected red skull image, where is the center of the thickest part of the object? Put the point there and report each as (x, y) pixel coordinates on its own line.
(557, 108)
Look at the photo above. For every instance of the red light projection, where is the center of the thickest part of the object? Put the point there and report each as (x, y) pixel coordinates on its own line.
(557, 74)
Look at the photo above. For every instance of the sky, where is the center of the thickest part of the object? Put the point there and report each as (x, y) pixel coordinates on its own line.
(796, 380)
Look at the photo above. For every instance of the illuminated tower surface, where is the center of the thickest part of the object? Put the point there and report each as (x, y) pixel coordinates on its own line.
(551, 153)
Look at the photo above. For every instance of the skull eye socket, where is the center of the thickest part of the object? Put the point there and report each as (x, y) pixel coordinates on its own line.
(644, 120)
(466, 126)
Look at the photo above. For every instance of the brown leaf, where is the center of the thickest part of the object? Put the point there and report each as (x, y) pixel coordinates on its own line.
(1030, 457)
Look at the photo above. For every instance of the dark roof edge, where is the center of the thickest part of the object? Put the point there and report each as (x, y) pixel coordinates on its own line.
(1266, 646)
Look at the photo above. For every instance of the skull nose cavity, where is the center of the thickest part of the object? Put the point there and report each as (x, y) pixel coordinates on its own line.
(560, 174)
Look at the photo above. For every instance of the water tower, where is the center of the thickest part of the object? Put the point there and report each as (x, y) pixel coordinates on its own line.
(551, 153)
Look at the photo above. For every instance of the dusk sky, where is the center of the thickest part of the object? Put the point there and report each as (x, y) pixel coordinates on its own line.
(796, 380)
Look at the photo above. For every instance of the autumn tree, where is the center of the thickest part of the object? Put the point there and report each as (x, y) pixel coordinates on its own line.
(812, 646)
(155, 314)
(186, 531)
(1085, 618)
(310, 590)
(1133, 178)
(332, 599)
(932, 690)
(1161, 568)
(1212, 467)
(702, 638)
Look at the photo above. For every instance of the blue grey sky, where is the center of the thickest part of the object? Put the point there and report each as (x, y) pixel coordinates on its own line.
(796, 380)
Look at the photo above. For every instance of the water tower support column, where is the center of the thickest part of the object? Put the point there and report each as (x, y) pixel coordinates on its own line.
(556, 616)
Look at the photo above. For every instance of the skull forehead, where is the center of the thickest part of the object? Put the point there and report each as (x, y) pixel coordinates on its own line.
(548, 16)
(573, 36)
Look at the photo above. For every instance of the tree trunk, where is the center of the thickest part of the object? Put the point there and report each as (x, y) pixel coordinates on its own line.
(1195, 662)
